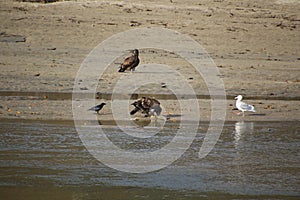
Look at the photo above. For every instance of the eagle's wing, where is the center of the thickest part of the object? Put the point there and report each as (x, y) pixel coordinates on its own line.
(155, 101)
(138, 107)
(135, 63)
(128, 62)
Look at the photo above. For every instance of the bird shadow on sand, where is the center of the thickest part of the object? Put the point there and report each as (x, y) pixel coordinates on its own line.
(172, 115)
(101, 114)
(141, 72)
(256, 114)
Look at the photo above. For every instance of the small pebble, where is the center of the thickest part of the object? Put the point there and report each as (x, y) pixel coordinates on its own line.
(84, 88)
(163, 85)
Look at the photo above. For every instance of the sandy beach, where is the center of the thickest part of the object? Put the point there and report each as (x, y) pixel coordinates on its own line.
(52, 147)
(254, 44)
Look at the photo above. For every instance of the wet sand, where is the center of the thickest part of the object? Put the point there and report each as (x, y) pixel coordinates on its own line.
(36, 109)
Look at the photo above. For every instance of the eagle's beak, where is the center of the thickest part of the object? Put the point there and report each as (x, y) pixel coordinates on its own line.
(235, 97)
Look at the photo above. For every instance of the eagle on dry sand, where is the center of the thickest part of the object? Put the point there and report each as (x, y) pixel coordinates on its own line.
(131, 62)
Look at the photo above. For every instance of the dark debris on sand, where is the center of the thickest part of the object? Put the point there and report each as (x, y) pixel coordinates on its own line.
(39, 1)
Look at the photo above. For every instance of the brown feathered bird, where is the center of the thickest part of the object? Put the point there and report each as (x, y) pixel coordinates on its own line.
(131, 62)
(139, 105)
(147, 105)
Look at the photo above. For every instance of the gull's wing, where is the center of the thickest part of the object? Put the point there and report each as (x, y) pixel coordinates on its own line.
(246, 106)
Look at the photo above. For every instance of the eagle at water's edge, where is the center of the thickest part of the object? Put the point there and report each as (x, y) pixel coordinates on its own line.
(131, 62)
(148, 106)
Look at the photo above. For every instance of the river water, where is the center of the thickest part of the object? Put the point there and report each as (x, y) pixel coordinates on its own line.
(41, 160)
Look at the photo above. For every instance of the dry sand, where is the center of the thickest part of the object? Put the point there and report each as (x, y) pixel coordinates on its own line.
(255, 45)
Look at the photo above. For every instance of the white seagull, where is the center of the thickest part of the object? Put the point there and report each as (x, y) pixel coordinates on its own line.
(242, 106)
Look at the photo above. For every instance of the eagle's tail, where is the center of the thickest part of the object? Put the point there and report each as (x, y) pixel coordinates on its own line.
(134, 111)
(122, 69)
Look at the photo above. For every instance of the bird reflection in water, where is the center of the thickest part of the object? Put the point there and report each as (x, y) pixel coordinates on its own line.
(242, 128)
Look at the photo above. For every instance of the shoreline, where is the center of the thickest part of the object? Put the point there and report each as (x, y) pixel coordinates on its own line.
(61, 110)
(52, 95)
(112, 123)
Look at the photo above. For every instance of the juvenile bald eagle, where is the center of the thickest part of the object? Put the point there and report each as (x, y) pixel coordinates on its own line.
(98, 107)
(131, 62)
(147, 105)
(139, 106)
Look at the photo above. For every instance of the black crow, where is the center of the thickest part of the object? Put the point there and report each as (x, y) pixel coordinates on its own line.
(98, 107)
